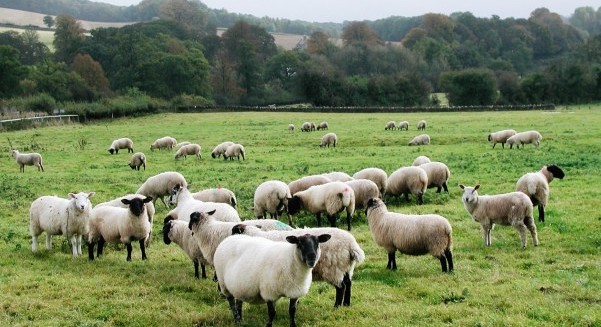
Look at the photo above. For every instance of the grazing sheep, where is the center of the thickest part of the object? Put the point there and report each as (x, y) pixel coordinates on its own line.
(220, 194)
(186, 204)
(122, 143)
(410, 234)
(523, 138)
(421, 125)
(339, 256)
(304, 183)
(234, 150)
(160, 185)
(150, 210)
(180, 144)
(166, 142)
(420, 161)
(500, 137)
(403, 125)
(220, 149)
(28, 159)
(407, 180)
(291, 128)
(137, 160)
(513, 209)
(306, 127)
(422, 139)
(364, 190)
(124, 225)
(190, 149)
(331, 198)
(438, 175)
(271, 197)
(58, 216)
(323, 126)
(177, 231)
(375, 175)
(536, 186)
(289, 275)
(337, 176)
(391, 125)
(328, 139)
(312, 124)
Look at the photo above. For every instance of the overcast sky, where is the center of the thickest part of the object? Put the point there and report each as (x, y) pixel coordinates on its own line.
(338, 11)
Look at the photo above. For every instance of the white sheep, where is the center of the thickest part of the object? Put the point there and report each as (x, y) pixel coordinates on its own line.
(306, 127)
(375, 175)
(240, 263)
(189, 149)
(122, 143)
(420, 160)
(337, 176)
(234, 150)
(58, 216)
(331, 199)
(536, 186)
(391, 125)
(438, 175)
(304, 183)
(137, 160)
(180, 144)
(421, 125)
(313, 127)
(403, 125)
(220, 148)
(328, 139)
(271, 197)
(513, 209)
(339, 256)
(177, 231)
(166, 142)
(422, 139)
(364, 189)
(500, 137)
(27, 159)
(160, 185)
(186, 205)
(219, 194)
(322, 126)
(119, 225)
(291, 128)
(407, 180)
(529, 137)
(410, 234)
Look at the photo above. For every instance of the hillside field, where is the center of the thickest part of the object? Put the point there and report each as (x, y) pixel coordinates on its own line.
(555, 284)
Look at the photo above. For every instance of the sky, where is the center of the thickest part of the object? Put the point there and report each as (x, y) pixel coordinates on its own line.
(338, 11)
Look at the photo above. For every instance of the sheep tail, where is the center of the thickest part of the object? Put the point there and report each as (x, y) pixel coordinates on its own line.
(346, 196)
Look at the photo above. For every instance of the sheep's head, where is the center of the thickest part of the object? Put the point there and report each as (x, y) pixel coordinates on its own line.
(81, 200)
(238, 229)
(307, 247)
(295, 205)
(197, 218)
(136, 205)
(372, 204)
(174, 194)
(111, 151)
(167, 224)
(14, 153)
(470, 194)
(556, 171)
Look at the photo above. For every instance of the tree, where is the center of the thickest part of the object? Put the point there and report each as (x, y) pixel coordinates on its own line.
(11, 71)
(91, 72)
(359, 34)
(186, 13)
(472, 87)
(319, 43)
(49, 21)
(68, 37)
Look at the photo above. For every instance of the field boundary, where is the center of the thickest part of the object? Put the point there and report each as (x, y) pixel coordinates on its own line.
(22, 123)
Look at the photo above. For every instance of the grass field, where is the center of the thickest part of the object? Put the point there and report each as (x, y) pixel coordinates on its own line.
(557, 283)
(46, 37)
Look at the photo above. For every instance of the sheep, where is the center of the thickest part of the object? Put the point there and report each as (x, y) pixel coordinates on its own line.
(304, 183)
(150, 210)
(339, 256)
(391, 125)
(122, 143)
(306, 127)
(536, 186)
(375, 175)
(422, 139)
(513, 209)
(271, 197)
(291, 128)
(337, 176)
(220, 194)
(438, 175)
(160, 185)
(364, 190)
(403, 125)
(328, 139)
(407, 180)
(186, 204)
(180, 144)
(331, 198)
(29, 159)
(234, 150)
(500, 137)
(420, 161)
(137, 160)
(220, 149)
(312, 125)
(289, 274)
(177, 231)
(114, 224)
(421, 125)
(58, 216)
(410, 234)
(190, 149)
(322, 126)
(166, 142)
(523, 138)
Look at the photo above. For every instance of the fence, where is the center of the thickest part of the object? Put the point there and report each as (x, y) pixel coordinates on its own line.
(23, 123)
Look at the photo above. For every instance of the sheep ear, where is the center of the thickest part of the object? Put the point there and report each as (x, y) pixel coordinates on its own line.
(125, 201)
(323, 238)
(476, 187)
(148, 199)
(210, 213)
(238, 229)
(292, 239)
(461, 186)
(91, 194)
(71, 196)
(168, 219)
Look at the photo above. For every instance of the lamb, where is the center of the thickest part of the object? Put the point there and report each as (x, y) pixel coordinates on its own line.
(403, 125)
(337, 176)
(28, 159)
(523, 138)
(306, 127)
(438, 175)
(186, 204)
(420, 161)
(410, 234)
(375, 175)
(220, 194)
(177, 231)
(58, 216)
(339, 256)
(234, 150)
(166, 142)
(220, 148)
(391, 125)
(500, 137)
(407, 180)
(122, 143)
(364, 190)
(328, 139)
(421, 125)
(137, 160)
(190, 149)
(536, 186)
(513, 209)
(160, 185)
(331, 198)
(322, 126)
(422, 139)
(289, 274)
(271, 197)
(304, 183)
(291, 128)
(180, 144)
(114, 224)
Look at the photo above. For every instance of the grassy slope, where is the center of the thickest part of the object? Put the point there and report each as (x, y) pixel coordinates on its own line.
(557, 283)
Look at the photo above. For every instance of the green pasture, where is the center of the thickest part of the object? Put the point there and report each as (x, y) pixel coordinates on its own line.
(557, 283)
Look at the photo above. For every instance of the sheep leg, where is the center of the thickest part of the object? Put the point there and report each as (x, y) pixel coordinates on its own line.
(391, 261)
(438, 189)
(166, 206)
(529, 221)
(234, 307)
(100, 247)
(541, 213)
(332, 219)
(449, 256)
(34, 243)
(48, 241)
(339, 294)
(79, 238)
(521, 227)
(444, 186)
(318, 216)
(493, 145)
(420, 198)
(271, 313)
(486, 232)
(143, 249)
(348, 221)
(347, 283)
(90, 251)
(196, 274)
(73, 245)
(292, 311)
(443, 262)
(129, 249)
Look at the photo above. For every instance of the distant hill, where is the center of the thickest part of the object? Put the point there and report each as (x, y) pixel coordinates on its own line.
(28, 18)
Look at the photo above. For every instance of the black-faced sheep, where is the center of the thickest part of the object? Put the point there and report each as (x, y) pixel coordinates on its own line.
(272, 197)
(500, 137)
(422, 139)
(291, 128)
(220, 149)
(529, 137)
(177, 231)
(306, 127)
(234, 150)
(158, 186)
(328, 139)
(438, 175)
(189, 150)
(122, 143)
(390, 126)
(364, 190)
(166, 142)
(186, 205)
(421, 125)
(137, 160)
(323, 126)
(304, 183)
(375, 175)
(407, 180)
(536, 186)
(403, 125)
(28, 159)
